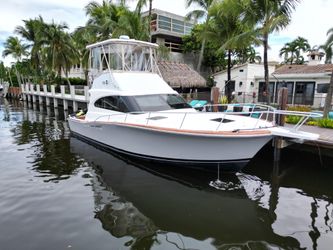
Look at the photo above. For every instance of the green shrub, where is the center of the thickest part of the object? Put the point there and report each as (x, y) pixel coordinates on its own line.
(312, 123)
(325, 123)
(77, 81)
(223, 100)
(300, 108)
(292, 119)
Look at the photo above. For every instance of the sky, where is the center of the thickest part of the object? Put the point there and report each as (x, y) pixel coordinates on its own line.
(311, 20)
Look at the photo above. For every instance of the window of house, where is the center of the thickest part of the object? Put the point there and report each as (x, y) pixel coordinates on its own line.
(322, 88)
(304, 93)
(164, 23)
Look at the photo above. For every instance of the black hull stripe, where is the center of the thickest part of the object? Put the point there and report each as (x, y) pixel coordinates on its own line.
(160, 159)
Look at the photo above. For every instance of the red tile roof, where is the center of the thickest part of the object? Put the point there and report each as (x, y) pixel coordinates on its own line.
(304, 69)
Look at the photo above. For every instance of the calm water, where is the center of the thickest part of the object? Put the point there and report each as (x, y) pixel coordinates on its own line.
(57, 192)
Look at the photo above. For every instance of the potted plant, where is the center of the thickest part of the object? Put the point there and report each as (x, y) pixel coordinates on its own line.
(223, 104)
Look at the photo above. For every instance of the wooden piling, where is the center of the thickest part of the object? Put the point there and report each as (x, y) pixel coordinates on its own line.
(215, 94)
(282, 104)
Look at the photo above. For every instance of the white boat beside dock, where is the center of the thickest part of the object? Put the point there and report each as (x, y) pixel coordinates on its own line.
(133, 111)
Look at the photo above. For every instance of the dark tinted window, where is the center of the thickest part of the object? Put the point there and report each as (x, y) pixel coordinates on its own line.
(160, 102)
(322, 88)
(142, 103)
(115, 103)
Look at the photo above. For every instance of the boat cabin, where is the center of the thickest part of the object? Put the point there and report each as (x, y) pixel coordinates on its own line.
(124, 77)
(123, 55)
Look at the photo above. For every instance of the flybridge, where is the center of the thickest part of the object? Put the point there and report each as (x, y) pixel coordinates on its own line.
(122, 55)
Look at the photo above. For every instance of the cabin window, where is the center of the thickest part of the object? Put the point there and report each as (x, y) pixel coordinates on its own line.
(114, 103)
(142, 103)
(160, 102)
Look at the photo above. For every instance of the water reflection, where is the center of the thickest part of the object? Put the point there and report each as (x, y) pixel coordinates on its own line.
(47, 135)
(298, 193)
(151, 206)
(167, 199)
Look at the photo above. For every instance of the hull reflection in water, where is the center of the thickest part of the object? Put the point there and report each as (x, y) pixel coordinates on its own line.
(146, 203)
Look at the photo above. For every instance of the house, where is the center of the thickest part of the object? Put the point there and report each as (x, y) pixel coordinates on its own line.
(243, 84)
(307, 84)
(168, 29)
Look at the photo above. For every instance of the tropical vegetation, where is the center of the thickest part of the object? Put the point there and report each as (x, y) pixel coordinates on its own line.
(328, 49)
(45, 52)
(292, 51)
(228, 34)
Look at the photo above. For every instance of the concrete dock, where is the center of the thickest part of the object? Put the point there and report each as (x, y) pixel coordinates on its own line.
(325, 135)
(34, 93)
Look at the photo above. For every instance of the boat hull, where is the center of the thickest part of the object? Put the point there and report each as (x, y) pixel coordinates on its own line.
(231, 153)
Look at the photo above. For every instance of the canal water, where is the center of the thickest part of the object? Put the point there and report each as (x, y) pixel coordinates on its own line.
(58, 192)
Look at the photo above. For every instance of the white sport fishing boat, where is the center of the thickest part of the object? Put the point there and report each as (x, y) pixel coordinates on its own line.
(133, 111)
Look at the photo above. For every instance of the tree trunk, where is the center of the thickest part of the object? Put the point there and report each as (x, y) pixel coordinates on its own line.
(18, 77)
(203, 44)
(149, 18)
(265, 42)
(229, 66)
(228, 76)
(328, 100)
(67, 80)
(10, 77)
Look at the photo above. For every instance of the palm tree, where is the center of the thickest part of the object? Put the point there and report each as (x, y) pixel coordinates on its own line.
(139, 6)
(31, 32)
(268, 16)
(328, 46)
(197, 14)
(292, 50)
(227, 29)
(14, 47)
(81, 38)
(287, 51)
(59, 48)
(131, 24)
(248, 54)
(103, 18)
(301, 45)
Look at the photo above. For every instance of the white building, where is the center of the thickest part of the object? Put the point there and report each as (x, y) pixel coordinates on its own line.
(243, 81)
(307, 84)
(76, 71)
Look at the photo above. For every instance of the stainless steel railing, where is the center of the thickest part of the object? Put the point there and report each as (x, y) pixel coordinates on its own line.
(264, 118)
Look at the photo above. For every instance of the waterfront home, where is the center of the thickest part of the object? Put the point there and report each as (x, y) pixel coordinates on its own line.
(307, 84)
(243, 83)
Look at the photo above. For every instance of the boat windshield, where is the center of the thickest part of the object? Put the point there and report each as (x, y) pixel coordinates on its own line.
(123, 57)
(160, 102)
(142, 103)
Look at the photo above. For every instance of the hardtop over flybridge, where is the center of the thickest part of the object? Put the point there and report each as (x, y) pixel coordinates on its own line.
(133, 111)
